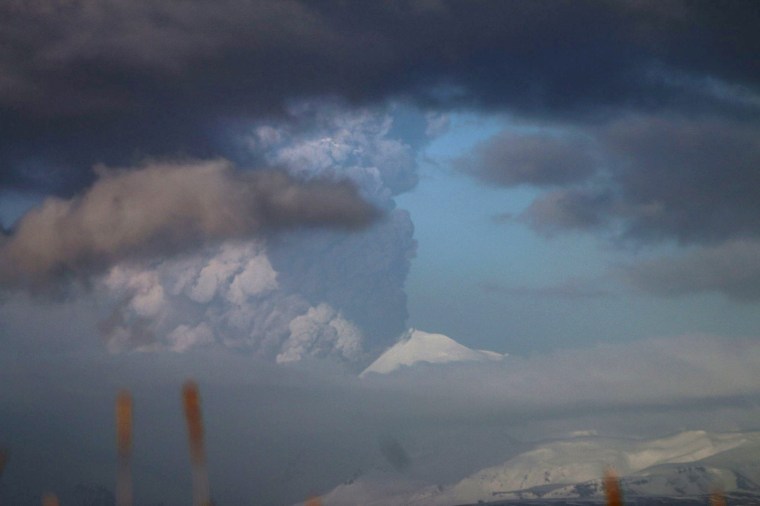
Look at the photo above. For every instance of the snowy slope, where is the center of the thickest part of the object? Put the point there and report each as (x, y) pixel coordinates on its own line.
(374, 489)
(686, 464)
(584, 460)
(418, 346)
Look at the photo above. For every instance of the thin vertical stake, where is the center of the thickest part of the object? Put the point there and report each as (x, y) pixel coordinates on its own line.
(612, 488)
(192, 404)
(124, 448)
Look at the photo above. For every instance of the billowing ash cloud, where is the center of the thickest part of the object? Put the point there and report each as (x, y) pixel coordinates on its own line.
(165, 208)
(209, 297)
(277, 302)
(293, 295)
(329, 139)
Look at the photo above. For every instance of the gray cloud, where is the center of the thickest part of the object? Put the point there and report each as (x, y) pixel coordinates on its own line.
(688, 179)
(540, 159)
(168, 207)
(731, 268)
(568, 209)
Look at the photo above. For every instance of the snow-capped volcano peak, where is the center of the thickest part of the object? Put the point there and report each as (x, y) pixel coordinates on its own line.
(418, 346)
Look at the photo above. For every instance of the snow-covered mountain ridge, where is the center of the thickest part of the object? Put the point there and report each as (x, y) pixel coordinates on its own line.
(573, 468)
(686, 464)
(417, 346)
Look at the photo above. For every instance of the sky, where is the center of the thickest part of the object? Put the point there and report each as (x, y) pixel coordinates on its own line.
(266, 195)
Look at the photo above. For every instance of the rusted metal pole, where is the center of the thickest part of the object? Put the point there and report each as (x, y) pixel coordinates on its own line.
(612, 488)
(124, 448)
(192, 404)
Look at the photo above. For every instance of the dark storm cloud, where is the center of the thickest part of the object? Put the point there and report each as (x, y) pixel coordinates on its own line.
(695, 180)
(113, 81)
(168, 207)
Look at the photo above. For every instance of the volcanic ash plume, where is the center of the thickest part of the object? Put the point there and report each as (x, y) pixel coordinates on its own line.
(192, 404)
(124, 445)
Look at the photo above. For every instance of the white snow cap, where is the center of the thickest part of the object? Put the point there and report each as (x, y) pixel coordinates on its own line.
(417, 346)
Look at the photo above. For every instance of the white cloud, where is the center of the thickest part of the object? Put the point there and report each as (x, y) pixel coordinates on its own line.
(146, 295)
(184, 337)
(256, 278)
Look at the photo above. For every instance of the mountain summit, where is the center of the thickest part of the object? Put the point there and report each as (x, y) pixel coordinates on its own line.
(417, 346)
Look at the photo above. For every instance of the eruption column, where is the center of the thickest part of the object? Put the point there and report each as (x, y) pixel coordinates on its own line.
(124, 448)
(192, 404)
